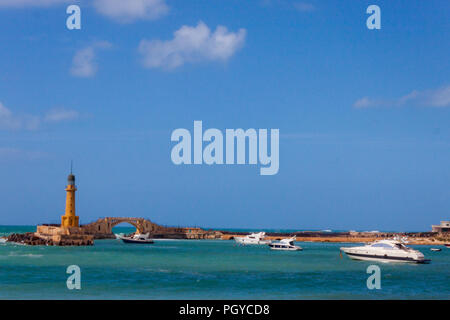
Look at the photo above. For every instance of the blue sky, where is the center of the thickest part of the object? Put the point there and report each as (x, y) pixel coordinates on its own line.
(363, 114)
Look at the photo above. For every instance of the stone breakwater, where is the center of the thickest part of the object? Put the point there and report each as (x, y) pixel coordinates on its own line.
(417, 238)
(30, 238)
(53, 235)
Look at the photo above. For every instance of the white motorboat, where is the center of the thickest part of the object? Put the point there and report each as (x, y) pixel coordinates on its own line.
(285, 244)
(386, 251)
(137, 238)
(254, 238)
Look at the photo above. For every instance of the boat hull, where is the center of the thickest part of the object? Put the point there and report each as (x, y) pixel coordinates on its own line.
(368, 257)
(252, 242)
(286, 249)
(137, 241)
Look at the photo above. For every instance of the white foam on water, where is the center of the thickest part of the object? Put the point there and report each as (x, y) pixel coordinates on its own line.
(27, 255)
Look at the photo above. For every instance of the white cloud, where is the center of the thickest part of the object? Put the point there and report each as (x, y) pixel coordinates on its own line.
(12, 121)
(4, 111)
(84, 62)
(440, 97)
(131, 10)
(304, 6)
(363, 103)
(58, 115)
(124, 11)
(437, 98)
(191, 44)
(31, 3)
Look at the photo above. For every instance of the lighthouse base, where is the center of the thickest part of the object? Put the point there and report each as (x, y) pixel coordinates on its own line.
(64, 236)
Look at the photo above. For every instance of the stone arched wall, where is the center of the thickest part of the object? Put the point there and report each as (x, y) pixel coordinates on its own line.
(102, 228)
(133, 223)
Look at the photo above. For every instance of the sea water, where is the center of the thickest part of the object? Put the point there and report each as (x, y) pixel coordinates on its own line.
(211, 269)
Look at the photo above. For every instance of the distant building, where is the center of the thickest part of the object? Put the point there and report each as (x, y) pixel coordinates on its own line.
(443, 227)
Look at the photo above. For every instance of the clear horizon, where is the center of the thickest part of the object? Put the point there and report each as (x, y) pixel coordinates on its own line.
(291, 229)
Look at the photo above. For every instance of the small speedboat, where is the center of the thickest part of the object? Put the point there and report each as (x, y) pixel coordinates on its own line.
(137, 238)
(285, 244)
(385, 251)
(254, 238)
(447, 245)
(435, 249)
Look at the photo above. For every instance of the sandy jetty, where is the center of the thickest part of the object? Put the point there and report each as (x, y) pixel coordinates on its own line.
(424, 238)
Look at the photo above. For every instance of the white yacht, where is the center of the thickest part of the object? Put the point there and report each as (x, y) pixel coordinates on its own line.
(285, 244)
(137, 238)
(387, 251)
(254, 238)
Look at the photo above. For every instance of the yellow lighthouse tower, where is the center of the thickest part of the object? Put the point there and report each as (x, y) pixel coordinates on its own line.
(69, 219)
(69, 233)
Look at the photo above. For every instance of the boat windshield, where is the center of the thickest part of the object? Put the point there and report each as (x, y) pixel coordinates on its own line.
(382, 245)
(389, 246)
(401, 246)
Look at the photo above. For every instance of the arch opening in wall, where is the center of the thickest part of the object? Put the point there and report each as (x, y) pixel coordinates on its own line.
(124, 228)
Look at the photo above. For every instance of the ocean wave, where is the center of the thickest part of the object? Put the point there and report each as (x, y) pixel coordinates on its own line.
(27, 255)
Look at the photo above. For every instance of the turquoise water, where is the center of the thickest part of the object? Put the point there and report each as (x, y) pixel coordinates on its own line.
(210, 269)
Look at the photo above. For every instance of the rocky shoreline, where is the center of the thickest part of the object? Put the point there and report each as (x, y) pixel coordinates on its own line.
(30, 238)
